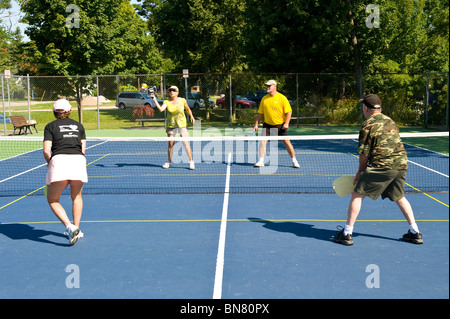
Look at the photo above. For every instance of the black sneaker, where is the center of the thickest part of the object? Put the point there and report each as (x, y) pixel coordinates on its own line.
(413, 238)
(340, 238)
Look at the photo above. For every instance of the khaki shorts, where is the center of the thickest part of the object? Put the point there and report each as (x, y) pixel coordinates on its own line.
(180, 130)
(389, 183)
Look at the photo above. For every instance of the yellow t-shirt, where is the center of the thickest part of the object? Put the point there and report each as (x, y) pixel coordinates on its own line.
(274, 108)
(175, 114)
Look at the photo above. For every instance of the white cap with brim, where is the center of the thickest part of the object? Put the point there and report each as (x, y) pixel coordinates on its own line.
(271, 82)
(61, 106)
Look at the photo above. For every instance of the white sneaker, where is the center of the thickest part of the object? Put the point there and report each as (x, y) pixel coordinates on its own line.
(167, 165)
(191, 165)
(295, 164)
(72, 235)
(260, 163)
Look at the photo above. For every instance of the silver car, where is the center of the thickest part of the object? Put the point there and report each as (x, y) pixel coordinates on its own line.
(195, 101)
(131, 99)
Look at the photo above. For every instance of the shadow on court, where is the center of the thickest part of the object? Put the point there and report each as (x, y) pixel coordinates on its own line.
(306, 230)
(22, 231)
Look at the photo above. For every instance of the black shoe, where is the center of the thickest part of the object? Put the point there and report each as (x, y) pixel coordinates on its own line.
(413, 238)
(340, 238)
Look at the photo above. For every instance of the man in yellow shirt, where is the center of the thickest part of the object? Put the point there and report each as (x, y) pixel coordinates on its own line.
(277, 111)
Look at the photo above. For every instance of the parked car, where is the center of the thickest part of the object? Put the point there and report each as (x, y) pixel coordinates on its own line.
(256, 97)
(195, 101)
(2, 118)
(131, 99)
(241, 102)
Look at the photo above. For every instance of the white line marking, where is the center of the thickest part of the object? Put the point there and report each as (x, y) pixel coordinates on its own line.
(430, 169)
(36, 167)
(223, 230)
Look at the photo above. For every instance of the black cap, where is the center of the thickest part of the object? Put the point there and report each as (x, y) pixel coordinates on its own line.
(371, 101)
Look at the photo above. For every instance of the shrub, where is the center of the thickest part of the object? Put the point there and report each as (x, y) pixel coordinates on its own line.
(140, 110)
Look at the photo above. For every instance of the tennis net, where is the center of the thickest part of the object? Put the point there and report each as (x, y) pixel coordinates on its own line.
(222, 164)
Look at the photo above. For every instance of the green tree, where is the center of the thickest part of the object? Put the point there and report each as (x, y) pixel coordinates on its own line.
(87, 37)
(203, 35)
(9, 40)
(314, 36)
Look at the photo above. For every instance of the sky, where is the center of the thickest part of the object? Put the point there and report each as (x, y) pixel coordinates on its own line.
(15, 17)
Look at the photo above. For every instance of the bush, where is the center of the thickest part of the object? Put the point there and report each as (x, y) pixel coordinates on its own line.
(140, 110)
(128, 88)
(344, 111)
(246, 116)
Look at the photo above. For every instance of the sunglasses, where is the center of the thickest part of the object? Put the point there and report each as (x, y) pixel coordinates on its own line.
(172, 90)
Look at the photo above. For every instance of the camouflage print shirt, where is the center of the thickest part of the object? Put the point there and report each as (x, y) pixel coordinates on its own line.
(379, 137)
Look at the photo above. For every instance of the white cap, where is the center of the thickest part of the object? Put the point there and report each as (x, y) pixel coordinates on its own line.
(271, 82)
(61, 106)
(173, 87)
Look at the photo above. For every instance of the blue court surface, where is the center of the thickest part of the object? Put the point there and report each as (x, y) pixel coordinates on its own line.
(222, 244)
(277, 246)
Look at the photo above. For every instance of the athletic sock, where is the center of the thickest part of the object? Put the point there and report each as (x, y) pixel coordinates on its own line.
(414, 228)
(348, 230)
(71, 227)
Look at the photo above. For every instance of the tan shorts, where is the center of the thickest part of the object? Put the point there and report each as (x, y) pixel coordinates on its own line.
(65, 167)
(180, 130)
(389, 183)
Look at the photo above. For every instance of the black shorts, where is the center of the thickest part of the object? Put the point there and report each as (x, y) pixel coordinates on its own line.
(274, 130)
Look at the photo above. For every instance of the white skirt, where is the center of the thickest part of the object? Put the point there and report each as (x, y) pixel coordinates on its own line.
(65, 167)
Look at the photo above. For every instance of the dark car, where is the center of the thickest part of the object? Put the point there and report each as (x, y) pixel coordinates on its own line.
(256, 97)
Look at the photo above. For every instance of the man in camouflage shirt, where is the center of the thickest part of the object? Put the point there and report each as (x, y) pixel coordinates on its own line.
(382, 168)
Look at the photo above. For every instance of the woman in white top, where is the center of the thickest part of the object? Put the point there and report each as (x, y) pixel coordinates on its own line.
(177, 122)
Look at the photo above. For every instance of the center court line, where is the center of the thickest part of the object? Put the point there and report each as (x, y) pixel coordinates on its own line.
(217, 294)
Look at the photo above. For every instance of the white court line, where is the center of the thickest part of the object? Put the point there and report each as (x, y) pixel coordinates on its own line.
(430, 169)
(36, 167)
(217, 294)
(31, 169)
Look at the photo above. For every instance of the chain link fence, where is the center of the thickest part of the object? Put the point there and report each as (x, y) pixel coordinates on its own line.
(121, 101)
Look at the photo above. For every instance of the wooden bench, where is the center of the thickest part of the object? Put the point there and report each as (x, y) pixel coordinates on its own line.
(19, 122)
(317, 118)
(149, 120)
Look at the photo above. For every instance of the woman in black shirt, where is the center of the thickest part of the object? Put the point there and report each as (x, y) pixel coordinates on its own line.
(64, 148)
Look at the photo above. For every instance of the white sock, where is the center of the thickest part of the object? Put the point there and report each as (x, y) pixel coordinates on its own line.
(414, 228)
(261, 159)
(71, 227)
(293, 159)
(348, 230)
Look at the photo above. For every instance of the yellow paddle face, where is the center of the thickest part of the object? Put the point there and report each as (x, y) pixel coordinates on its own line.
(343, 185)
